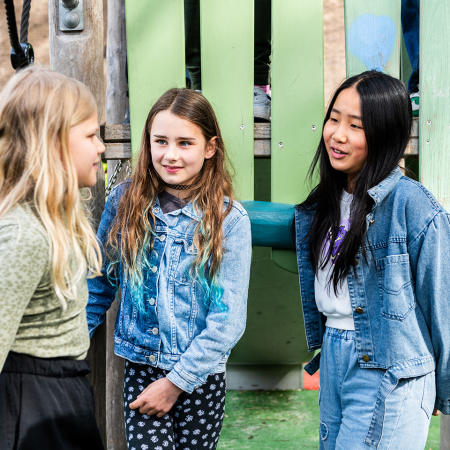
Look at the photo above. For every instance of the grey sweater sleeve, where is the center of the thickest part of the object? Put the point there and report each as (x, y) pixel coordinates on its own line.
(24, 258)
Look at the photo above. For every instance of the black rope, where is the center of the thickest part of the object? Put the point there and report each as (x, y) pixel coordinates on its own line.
(24, 23)
(12, 27)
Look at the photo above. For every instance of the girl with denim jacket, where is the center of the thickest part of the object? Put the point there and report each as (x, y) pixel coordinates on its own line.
(48, 151)
(372, 250)
(177, 252)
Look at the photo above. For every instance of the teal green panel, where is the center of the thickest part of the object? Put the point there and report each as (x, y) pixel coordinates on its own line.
(155, 52)
(434, 118)
(297, 95)
(372, 36)
(227, 80)
(297, 101)
(275, 332)
(286, 259)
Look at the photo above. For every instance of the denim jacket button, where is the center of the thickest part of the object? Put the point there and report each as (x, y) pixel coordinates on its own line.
(162, 238)
(155, 331)
(359, 310)
(366, 358)
(154, 269)
(156, 210)
(152, 358)
(355, 262)
(152, 301)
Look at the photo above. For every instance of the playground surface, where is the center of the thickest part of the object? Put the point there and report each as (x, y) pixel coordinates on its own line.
(280, 420)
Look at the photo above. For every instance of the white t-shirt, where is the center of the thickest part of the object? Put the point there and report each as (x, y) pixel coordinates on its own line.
(337, 309)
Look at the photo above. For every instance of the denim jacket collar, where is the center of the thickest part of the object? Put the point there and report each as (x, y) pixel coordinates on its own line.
(382, 190)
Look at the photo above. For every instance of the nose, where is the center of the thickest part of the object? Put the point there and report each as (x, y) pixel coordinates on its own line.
(171, 152)
(339, 134)
(100, 146)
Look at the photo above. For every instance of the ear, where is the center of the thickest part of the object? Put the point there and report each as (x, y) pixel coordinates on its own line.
(211, 148)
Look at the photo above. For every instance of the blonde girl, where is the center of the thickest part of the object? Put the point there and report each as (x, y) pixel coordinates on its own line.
(48, 150)
(180, 248)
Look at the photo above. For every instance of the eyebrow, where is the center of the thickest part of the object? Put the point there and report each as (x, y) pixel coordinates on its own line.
(180, 138)
(350, 115)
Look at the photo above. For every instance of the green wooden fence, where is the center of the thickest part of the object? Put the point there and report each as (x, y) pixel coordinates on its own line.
(155, 41)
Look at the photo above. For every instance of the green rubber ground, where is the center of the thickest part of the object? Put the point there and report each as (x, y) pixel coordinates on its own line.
(280, 420)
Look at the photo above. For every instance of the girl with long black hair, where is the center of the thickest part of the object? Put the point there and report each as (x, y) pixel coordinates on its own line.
(372, 249)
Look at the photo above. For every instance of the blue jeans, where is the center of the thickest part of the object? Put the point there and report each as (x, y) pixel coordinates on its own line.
(348, 397)
(410, 25)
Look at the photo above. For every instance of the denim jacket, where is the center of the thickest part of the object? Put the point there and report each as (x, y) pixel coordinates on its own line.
(400, 297)
(180, 332)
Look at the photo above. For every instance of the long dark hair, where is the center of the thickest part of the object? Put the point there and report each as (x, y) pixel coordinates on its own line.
(387, 119)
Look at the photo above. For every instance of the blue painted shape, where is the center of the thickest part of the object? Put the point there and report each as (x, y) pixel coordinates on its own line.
(371, 39)
(271, 223)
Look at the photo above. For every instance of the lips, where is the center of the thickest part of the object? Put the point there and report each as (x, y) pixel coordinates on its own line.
(338, 153)
(172, 169)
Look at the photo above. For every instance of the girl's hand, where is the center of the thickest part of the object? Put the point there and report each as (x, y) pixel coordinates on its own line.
(157, 398)
(436, 412)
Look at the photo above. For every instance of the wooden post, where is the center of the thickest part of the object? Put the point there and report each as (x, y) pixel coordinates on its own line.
(79, 54)
(116, 106)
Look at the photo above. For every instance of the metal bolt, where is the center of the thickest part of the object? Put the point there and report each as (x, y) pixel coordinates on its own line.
(428, 141)
(280, 145)
(429, 122)
(242, 127)
(70, 4)
(313, 128)
(71, 20)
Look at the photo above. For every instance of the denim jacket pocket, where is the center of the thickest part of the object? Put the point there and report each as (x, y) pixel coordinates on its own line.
(187, 252)
(395, 286)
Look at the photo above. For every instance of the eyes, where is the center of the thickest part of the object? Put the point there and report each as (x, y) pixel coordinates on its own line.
(185, 144)
(352, 125)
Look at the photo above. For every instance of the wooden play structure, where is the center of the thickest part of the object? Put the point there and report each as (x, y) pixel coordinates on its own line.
(270, 160)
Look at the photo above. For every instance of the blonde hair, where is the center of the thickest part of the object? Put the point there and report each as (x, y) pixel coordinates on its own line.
(37, 109)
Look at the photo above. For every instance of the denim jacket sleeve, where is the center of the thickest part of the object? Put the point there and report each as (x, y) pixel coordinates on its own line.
(430, 265)
(223, 329)
(102, 291)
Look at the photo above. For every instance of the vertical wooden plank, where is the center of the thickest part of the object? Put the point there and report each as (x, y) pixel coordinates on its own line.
(297, 95)
(80, 55)
(445, 433)
(227, 80)
(434, 118)
(373, 31)
(155, 43)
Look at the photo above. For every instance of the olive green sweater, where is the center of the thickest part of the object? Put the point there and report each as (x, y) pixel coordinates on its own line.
(31, 316)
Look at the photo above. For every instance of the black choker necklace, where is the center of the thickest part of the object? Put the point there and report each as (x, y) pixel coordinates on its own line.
(179, 187)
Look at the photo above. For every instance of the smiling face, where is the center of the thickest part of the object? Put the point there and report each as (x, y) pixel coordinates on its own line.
(178, 150)
(85, 149)
(344, 135)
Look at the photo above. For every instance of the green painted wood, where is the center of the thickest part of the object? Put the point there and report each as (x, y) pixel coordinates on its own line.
(227, 80)
(297, 95)
(372, 36)
(275, 332)
(434, 118)
(155, 52)
(297, 101)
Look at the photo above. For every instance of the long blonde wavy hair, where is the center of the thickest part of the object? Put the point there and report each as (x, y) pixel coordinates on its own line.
(37, 109)
(135, 218)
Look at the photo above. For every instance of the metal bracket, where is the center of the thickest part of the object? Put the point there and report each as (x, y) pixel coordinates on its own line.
(71, 15)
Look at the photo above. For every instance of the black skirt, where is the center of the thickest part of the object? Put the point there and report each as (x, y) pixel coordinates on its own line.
(47, 404)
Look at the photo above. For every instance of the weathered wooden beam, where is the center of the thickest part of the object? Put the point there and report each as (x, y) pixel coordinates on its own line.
(116, 107)
(79, 54)
(117, 141)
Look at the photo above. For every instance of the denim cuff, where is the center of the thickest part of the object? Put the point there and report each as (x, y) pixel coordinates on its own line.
(442, 405)
(184, 380)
